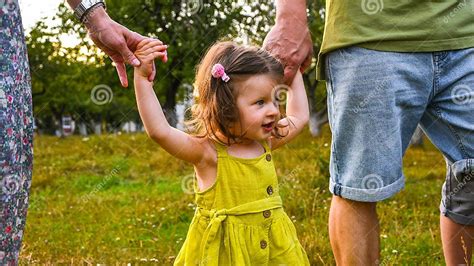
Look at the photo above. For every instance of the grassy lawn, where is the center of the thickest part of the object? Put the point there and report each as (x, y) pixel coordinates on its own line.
(119, 198)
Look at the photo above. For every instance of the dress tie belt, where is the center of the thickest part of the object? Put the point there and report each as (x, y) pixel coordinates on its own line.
(210, 242)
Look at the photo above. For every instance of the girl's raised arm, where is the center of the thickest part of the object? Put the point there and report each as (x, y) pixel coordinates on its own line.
(297, 112)
(174, 141)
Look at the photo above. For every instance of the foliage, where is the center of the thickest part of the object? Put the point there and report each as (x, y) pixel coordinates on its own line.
(63, 77)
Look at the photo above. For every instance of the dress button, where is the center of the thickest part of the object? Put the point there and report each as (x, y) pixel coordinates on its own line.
(267, 213)
(270, 190)
(263, 244)
(268, 157)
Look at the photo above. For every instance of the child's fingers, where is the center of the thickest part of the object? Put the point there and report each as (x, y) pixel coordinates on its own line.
(144, 54)
(158, 48)
(155, 55)
(165, 58)
(152, 51)
(143, 42)
(159, 54)
(152, 44)
(151, 57)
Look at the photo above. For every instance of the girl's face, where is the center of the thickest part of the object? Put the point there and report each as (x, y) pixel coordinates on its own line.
(257, 111)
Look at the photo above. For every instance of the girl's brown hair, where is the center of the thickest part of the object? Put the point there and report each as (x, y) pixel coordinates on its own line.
(215, 109)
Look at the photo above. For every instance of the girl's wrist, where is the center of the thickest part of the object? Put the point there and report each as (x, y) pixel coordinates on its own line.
(141, 76)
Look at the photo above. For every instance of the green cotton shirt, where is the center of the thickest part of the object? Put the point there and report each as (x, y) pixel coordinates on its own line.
(397, 25)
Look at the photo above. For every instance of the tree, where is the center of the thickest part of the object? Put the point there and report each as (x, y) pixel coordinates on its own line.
(64, 77)
(188, 27)
(57, 80)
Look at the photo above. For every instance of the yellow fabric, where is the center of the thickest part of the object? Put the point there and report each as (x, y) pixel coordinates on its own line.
(240, 220)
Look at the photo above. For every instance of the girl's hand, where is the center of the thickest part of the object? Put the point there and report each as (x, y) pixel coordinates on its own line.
(147, 50)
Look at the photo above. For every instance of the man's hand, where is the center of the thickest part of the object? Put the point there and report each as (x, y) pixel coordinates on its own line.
(116, 41)
(147, 51)
(293, 47)
(290, 39)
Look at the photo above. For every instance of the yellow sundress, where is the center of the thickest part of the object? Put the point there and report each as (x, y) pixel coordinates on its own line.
(240, 220)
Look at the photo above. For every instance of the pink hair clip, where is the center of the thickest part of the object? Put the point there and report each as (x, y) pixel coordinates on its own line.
(218, 71)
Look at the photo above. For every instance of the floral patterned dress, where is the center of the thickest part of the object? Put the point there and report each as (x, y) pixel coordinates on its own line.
(16, 132)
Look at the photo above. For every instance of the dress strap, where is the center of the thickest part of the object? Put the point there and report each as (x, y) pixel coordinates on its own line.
(266, 146)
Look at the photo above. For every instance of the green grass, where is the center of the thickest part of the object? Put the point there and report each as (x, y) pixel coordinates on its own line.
(119, 198)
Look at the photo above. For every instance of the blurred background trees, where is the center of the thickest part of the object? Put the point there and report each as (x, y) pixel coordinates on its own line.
(78, 82)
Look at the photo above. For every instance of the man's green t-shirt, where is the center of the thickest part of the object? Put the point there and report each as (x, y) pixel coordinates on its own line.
(397, 25)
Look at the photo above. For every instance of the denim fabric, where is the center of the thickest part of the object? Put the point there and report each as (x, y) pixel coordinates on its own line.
(376, 99)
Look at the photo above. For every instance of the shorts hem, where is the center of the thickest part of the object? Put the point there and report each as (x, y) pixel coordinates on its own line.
(367, 195)
(457, 218)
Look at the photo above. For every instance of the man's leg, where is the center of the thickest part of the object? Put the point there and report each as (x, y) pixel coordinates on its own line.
(457, 242)
(449, 123)
(375, 101)
(354, 232)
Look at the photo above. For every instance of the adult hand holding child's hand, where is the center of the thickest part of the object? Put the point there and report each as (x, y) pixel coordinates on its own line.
(147, 51)
(115, 40)
(289, 40)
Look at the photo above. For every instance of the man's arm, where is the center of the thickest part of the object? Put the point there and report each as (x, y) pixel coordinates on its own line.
(115, 40)
(289, 40)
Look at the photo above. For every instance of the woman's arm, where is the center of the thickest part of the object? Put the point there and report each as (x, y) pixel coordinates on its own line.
(174, 141)
(297, 113)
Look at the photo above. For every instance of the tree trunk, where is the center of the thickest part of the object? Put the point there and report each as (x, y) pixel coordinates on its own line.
(98, 124)
(58, 116)
(83, 129)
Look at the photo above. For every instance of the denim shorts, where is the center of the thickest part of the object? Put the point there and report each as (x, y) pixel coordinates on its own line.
(376, 99)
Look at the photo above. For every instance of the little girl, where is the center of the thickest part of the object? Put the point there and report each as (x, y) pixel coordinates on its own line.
(239, 219)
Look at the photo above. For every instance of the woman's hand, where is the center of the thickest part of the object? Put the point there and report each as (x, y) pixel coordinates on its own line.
(147, 51)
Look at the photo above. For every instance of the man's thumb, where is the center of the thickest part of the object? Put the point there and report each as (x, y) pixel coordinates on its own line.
(129, 57)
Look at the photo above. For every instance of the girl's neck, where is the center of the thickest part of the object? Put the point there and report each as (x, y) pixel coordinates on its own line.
(252, 149)
(219, 137)
(246, 148)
